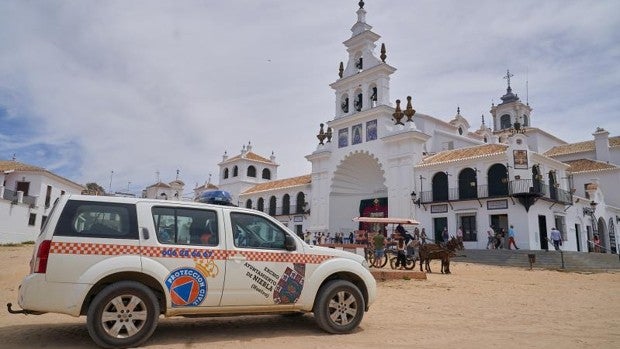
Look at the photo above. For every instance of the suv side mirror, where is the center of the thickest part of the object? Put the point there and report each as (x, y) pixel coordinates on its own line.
(289, 243)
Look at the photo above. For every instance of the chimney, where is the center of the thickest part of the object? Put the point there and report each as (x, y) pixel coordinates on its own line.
(601, 145)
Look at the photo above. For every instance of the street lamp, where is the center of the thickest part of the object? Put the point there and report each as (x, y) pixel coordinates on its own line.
(415, 199)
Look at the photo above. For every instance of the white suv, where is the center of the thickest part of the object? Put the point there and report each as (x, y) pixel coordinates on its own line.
(123, 262)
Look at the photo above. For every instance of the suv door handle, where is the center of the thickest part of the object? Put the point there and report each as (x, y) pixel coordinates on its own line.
(145, 233)
(237, 258)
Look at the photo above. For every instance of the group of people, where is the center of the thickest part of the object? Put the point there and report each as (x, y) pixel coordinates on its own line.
(497, 238)
(319, 238)
(406, 244)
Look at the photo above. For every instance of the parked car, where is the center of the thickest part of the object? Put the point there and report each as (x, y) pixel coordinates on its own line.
(123, 262)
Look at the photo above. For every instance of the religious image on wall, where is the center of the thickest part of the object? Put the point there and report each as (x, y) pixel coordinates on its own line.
(520, 159)
(371, 130)
(343, 137)
(377, 207)
(356, 130)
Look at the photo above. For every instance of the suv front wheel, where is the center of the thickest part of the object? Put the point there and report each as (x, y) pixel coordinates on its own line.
(124, 314)
(339, 307)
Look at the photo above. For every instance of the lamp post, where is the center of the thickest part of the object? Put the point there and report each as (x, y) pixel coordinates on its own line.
(590, 212)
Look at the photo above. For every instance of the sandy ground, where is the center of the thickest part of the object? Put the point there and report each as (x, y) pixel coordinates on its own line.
(475, 307)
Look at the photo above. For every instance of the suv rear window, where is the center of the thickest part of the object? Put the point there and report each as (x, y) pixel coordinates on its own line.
(185, 226)
(98, 219)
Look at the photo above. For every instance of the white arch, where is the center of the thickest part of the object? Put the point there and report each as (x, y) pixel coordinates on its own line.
(359, 173)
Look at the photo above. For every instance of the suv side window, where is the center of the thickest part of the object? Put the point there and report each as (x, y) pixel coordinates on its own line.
(98, 219)
(183, 226)
(252, 231)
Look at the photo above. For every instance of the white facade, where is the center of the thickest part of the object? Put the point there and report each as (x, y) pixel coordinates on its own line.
(27, 194)
(372, 159)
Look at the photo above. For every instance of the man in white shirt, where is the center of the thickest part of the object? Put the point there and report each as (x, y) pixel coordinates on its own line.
(556, 238)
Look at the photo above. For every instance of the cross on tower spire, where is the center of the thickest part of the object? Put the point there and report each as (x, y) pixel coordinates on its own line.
(507, 77)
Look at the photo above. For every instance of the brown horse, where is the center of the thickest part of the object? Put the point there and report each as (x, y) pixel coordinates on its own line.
(436, 251)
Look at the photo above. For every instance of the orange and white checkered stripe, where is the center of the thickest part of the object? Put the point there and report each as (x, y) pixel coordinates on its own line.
(177, 252)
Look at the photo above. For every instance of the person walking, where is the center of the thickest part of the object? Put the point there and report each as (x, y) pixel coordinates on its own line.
(556, 238)
(423, 236)
(490, 239)
(459, 235)
(379, 243)
(444, 235)
(597, 244)
(511, 238)
(401, 257)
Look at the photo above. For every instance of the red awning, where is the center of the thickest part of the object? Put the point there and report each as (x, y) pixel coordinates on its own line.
(386, 220)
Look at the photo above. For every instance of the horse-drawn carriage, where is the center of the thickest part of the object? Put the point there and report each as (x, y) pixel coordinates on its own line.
(426, 251)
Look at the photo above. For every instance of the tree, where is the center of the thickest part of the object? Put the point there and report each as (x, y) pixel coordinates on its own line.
(93, 189)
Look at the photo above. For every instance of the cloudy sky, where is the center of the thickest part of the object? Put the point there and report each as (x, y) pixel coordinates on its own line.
(140, 87)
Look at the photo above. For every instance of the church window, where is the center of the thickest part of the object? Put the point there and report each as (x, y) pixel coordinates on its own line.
(225, 173)
(286, 204)
(359, 63)
(251, 171)
(468, 184)
(235, 171)
(272, 206)
(504, 121)
(440, 186)
(344, 103)
(357, 103)
(301, 203)
(460, 130)
(266, 173)
(373, 95)
(498, 180)
(260, 205)
(248, 203)
(485, 139)
(526, 120)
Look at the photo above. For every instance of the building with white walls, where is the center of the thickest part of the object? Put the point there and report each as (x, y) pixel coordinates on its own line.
(377, 157)
(27, 194)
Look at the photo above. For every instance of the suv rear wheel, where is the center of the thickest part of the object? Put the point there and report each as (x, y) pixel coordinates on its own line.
(123, 314)
(339, 307)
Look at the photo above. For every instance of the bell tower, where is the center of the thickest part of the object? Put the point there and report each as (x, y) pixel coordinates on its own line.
(365, 81)
(511, 110)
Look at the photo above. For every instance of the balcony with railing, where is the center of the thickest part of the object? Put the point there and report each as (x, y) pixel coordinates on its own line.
(517, 188)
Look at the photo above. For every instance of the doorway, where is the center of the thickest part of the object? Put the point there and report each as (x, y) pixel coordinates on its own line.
(499, 222)
(578, 237)
(542, 229)
(439, 223)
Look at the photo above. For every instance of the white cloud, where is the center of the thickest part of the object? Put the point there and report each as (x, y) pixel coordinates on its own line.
(142, 86)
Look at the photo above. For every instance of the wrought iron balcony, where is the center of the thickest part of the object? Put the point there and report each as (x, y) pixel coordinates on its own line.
(516, 188)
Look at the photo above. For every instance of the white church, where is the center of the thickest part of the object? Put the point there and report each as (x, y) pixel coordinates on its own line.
(381, 158)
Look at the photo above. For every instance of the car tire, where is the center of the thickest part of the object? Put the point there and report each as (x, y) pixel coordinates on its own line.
(339, 307)
(130, 326)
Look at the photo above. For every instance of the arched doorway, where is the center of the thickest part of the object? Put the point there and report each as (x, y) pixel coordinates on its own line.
(498, 180)
(357, 182)
(468, 184)
(440, 186)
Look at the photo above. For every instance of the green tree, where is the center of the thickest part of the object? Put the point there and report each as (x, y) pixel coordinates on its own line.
(93, 189)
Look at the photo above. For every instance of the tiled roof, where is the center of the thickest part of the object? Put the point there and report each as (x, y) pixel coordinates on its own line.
(159, 185)
(250, 156)
(10, 165)
(18, 166)
(464, 153)
(280, 184)
(579, 147)
(587, 165)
